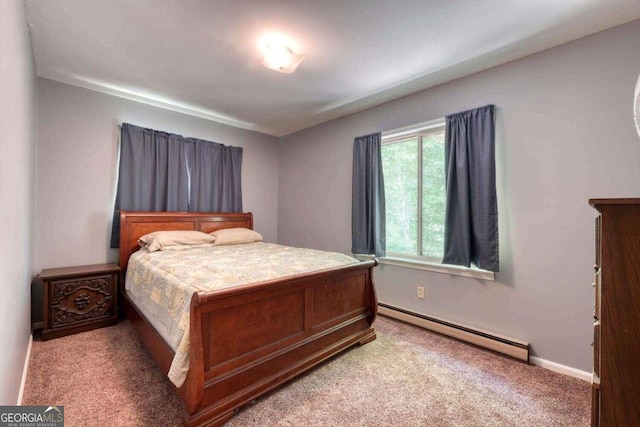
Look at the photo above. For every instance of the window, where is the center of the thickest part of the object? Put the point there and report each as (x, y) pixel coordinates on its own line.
(413, 167)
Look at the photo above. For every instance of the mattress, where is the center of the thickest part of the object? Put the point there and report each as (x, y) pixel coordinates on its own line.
(161, 283)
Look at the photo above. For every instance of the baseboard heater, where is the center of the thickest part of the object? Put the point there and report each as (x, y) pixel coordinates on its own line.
(508, 346)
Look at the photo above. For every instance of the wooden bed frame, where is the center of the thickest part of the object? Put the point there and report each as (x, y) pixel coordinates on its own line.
(247, 340)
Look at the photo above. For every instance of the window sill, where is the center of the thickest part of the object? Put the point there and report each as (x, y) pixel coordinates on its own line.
(435, 267)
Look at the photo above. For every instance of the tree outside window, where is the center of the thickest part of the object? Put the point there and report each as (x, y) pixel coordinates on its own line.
(413, 167)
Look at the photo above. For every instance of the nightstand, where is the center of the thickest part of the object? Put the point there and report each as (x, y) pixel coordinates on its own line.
(78, 299)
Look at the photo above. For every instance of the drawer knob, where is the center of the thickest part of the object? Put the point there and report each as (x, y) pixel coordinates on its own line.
(82, 301)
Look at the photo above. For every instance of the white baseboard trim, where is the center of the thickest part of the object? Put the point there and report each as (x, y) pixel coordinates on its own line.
(25, 370)
(499, 343)
(561, 369)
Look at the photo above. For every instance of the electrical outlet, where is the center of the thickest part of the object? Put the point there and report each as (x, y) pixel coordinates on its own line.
(421, 292)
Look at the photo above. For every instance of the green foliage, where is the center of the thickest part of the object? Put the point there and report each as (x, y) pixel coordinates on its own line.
(400, 168)
(402, 181)
(433, 195)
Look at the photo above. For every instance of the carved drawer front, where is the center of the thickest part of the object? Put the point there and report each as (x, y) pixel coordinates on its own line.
(81, 299)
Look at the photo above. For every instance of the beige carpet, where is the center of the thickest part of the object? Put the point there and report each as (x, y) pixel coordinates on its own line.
(407, 377)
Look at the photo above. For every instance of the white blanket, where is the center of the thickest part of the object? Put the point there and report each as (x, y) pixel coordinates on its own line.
(161, 283)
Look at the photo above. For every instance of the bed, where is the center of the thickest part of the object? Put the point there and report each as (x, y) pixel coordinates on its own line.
(274, 330)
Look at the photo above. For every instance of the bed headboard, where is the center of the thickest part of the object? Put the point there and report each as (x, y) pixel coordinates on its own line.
(134, 225)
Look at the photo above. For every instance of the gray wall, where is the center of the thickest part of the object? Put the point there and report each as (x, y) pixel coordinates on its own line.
(77, 153)
(17, 144)
(565, 134)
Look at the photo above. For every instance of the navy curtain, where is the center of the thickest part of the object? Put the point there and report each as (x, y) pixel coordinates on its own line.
(215, 178)
(368, 209)
(153, 174)
(164, 172)
(471, 222)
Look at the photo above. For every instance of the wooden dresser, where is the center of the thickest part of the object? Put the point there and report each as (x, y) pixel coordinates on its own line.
(616, 347)
(78, 299)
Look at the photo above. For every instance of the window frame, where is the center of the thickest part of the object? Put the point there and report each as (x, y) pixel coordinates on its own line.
(423, 262)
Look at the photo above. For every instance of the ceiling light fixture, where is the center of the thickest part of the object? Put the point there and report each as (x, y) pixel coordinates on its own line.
(280, 57)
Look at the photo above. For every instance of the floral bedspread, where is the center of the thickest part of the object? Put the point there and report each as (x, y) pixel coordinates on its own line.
(161, 283)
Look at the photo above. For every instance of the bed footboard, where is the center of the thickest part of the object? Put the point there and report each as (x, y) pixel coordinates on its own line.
(246, 341)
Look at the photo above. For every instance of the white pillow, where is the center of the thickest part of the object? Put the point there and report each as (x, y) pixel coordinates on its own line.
(234, 236)
(185, 247)
(159, 239)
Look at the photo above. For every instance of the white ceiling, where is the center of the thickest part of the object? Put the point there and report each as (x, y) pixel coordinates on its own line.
(202, 57)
